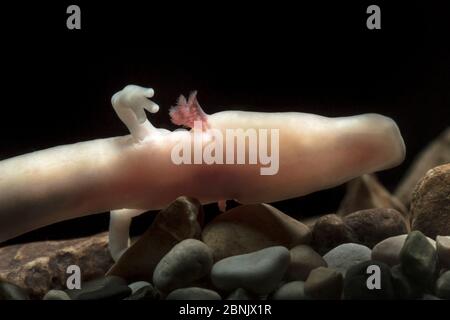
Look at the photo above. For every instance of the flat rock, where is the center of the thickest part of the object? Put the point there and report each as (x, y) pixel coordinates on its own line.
(105, 288)
(253, 227)
(357, 278)
(347, 255)
(435, 154)
(443, 251)
(430, 204)
(186, 262)
(179, 221)
(294, 290)
(259, 272)
(9, 291)
(56, 295)
(193, 293)
(303, 260)
(41, 266)
(443, 286)
(374, 225)
(366, 192)
(418, 258)
(329, 232)
(388, 250)
(324, 284)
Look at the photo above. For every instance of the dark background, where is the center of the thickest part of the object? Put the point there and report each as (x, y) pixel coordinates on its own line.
(319, 58)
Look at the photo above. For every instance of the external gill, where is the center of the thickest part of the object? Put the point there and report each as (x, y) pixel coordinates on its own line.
(187, 112)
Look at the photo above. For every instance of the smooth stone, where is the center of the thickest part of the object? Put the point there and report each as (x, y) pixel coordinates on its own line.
(329, 232)
(135, 286)
(443, 251)
(435, 153)
(356, 278)
(430, 205)
(443, 286)
(241, 294)
(388, 250)
(294, 290)
(144, 293)
(9, 291)
(259, 272)
(56, 295)
(374, 225)
(186, 262)
(178, 221)
(347, 255)
(324, 284)
(249, 228)
(403, 286)
(366, 192)
(418, 259)
(303, 260)
(105, 288)
(193, 293)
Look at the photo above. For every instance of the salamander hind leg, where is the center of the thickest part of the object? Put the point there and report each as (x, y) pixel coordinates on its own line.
(119, 230)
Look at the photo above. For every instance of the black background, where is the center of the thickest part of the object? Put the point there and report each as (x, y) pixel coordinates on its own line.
(314, 57)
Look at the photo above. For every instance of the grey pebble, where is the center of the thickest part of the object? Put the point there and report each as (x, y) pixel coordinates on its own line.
(9, 291)
(186, 262)
(260, 272)
(294, 290)
(347, 255)
(193, 293)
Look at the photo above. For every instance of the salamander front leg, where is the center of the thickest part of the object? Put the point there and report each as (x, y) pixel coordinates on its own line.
(130, 104)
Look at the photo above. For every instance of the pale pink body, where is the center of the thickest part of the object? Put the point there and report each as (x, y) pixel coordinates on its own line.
(90, 177)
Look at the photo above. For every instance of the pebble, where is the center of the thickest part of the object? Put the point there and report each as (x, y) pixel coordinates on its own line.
(388, 250)
(329, 232)
(294, 290)
(443, 251)
(144, 293)
(135, 286)
(193, 293)
(105, 288)
(347, 255)
(259, 272)
(366, 192)
(241, 294)
(188, 261)
(357, 278)
(437, 152)
(404, 287)
(180, 220)
(428, 296)
(9, 291)
(443, 286)
(56, 295)
(418, 258)
(249, 228)
(374, 225)
(324, 284)
(430, 205)
(303, 260)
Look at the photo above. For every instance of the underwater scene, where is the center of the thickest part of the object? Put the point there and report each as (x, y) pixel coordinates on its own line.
(226, 153)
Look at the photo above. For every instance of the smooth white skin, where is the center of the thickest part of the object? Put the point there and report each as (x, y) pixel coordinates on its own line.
(134, 173)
